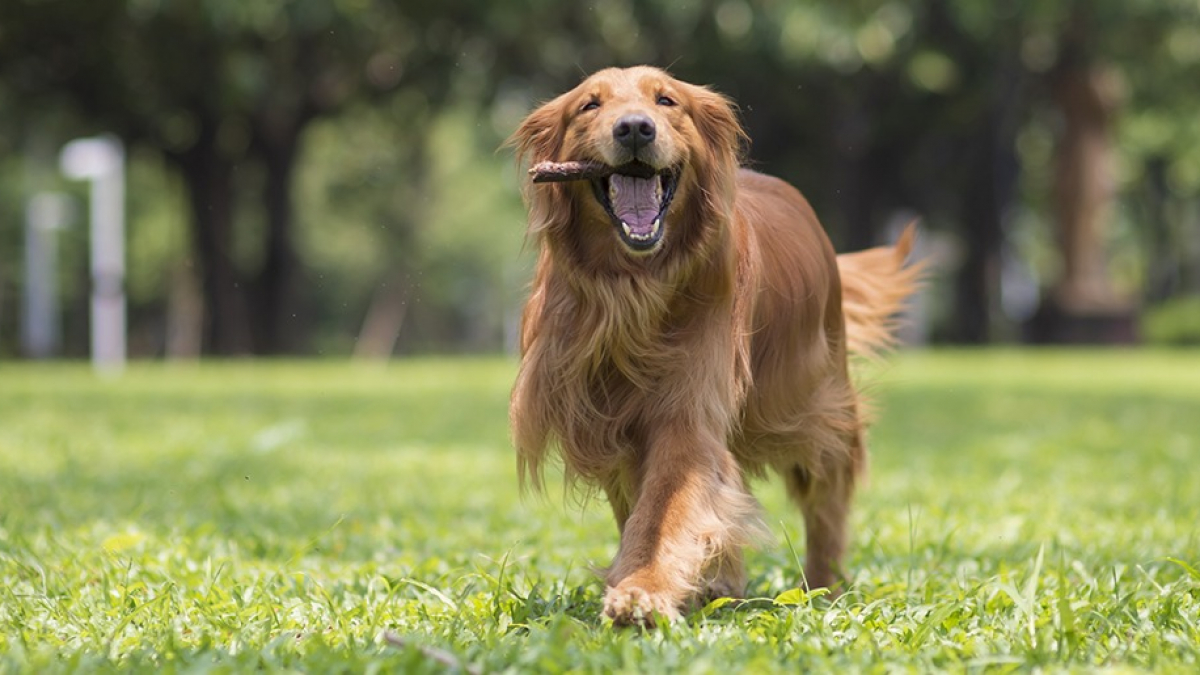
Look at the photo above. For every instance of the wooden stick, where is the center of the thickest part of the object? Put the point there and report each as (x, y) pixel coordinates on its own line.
(560, 172)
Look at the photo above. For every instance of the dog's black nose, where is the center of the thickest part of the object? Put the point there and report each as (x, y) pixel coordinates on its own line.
(634, 131)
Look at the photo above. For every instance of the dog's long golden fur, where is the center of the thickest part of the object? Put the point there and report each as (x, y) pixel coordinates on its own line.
(669, 360)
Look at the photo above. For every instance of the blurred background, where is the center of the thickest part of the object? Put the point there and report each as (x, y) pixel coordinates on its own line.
(324, 177)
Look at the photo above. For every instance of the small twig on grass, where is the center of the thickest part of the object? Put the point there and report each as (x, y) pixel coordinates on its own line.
(437, 655)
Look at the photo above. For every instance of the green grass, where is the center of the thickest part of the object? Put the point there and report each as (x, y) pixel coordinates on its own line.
(1025, 511)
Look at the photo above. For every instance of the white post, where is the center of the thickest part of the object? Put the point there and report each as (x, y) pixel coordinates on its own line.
(101, 160)
(46, 213)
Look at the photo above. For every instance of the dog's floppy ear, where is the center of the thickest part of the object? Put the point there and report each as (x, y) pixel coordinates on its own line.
(539, 137)
(715, 117)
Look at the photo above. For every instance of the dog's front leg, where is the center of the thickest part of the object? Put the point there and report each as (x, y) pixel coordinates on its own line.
(691, 508)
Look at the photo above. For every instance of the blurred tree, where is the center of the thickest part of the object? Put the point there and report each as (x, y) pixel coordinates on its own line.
(872, 107)
(1158, 140)
(949, 108)
(224, 89)
(1106, 62)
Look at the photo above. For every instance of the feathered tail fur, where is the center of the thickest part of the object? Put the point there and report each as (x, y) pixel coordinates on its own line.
(875, 284)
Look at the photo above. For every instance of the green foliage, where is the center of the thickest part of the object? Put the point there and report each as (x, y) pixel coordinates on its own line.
(1174, 322)
(395, 109)
(1025, 511)
(450, 230)
(156, 231)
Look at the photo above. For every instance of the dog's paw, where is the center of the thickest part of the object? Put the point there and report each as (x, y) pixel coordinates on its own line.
(629, 605)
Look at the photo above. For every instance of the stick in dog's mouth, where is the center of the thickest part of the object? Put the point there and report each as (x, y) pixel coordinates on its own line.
(635, 195)
(562, 172)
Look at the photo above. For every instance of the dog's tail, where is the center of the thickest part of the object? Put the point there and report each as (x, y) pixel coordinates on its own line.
(875, 284)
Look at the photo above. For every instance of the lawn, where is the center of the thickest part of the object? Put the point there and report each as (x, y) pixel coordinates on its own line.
(1025, 510)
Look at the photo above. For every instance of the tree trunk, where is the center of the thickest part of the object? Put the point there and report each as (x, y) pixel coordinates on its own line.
(1083, 306)
(385, 317)
(989, 193)
(1162, 269)
(1084, 189)
(856, 192)
(209, 178)
(979, 275)
(185, 316)
(280, 328)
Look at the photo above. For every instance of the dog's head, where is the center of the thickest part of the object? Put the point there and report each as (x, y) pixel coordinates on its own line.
(640, 122)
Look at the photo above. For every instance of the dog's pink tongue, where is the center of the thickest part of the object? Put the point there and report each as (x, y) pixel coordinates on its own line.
(636, 201)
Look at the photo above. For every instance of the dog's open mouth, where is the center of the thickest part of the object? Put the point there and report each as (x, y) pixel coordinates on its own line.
(637, 197)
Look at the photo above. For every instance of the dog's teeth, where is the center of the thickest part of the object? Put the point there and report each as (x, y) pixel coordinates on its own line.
(658, 189)
(612, 190)
(637, 236)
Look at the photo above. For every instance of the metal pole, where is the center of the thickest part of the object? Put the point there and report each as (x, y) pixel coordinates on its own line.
(102, 161)
(46, 213)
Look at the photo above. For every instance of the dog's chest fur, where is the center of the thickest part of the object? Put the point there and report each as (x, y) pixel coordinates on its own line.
(613, 364)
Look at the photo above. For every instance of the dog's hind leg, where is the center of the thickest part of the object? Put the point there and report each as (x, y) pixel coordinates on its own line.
(823, 490)
(825, 502)
(618, 500)
(724, 577)
(826, 505)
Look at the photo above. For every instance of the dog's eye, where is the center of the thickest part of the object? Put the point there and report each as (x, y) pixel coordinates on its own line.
(665, 100)
(590, 105)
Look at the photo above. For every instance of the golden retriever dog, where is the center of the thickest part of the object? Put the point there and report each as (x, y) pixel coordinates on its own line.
(688, 328)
